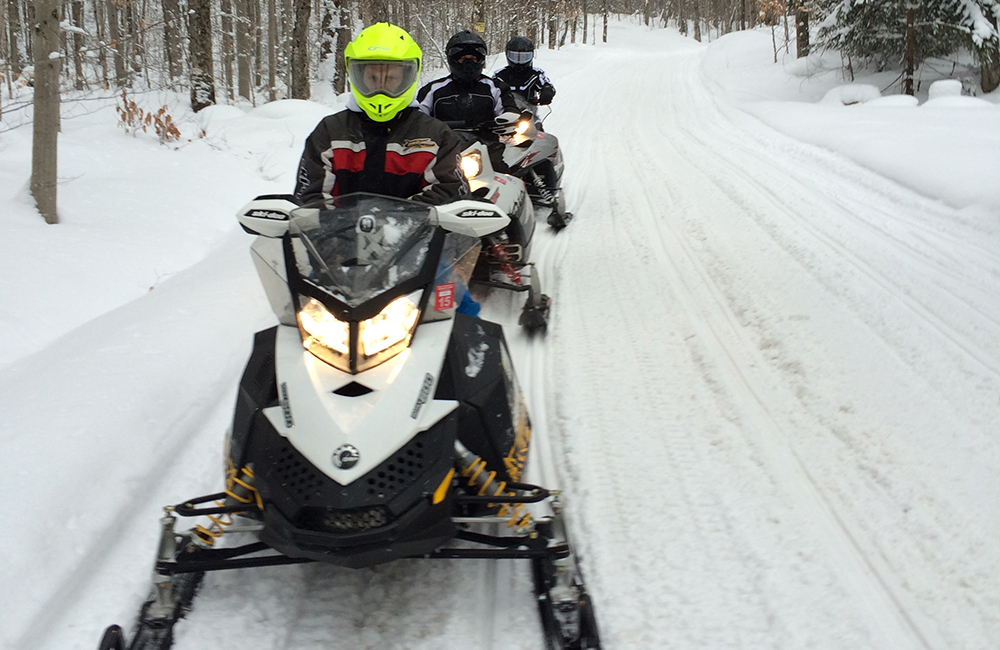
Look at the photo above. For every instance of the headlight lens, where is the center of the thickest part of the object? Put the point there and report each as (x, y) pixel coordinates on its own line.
(375, 340)
(391, 326)
(325, 335)
(472, 164)
(522, 127)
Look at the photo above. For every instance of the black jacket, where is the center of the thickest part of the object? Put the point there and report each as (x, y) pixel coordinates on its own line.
(529, 82)
(474, 104)
(409, 156)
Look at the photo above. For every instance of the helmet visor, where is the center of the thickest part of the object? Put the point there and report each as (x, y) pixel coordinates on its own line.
(519, 58)
(389, 78)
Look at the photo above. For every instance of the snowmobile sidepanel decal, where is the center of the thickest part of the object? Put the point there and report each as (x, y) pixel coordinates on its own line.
(488, 422)
(425, 391)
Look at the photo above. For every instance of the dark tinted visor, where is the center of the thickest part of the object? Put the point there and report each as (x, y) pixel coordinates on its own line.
(458, 51)
(390, 78)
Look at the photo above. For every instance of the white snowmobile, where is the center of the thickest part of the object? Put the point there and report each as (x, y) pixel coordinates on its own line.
(376, 421)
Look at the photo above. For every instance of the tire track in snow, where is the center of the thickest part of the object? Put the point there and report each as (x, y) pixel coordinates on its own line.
(867, 574)
(800, 188)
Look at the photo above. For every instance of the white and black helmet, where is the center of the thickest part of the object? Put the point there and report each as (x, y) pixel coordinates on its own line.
(520, 51)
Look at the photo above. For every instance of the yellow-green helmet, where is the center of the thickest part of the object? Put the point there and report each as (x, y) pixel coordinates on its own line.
(383, 66)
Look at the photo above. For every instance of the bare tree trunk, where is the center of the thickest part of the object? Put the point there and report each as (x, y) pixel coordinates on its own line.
(117, 44)
(989, 61)
(801, 33)
(605, 37)
(256, 31)
(172, 38)
(77, 11)
(300, 50)
(553, 27)
(134, 47)
(243, 48)
(5, 50)
(202, 68)
(226, 53)
(343, 38)
(697, 20)
(287, 13)
(584, 21)
(911, 52)
(45, 142)
(272, 50)
(14, 24)
(102, 54)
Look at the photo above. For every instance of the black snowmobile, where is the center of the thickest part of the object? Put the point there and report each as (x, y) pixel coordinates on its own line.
(375, 422)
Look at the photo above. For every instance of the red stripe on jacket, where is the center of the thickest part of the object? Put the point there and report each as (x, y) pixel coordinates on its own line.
(411, 163)
(347, 160)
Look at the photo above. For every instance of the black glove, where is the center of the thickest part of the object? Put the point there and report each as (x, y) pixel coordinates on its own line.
(545, 95)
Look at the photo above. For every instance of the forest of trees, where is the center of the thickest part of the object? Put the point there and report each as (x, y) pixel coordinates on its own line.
(222, 51)
(261, 50)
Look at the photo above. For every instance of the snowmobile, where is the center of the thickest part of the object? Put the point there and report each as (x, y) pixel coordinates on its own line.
(535, 157)
(374, 422)
(531, 155)
(504, 261)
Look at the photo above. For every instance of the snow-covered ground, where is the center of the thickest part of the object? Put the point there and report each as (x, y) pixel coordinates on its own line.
(770, 387)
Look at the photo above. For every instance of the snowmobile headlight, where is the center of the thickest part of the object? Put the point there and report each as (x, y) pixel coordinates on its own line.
(522, 127)
(388, 333)
(325, 335)
(472, 164)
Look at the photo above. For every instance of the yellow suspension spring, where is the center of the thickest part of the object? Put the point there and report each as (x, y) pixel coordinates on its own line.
(489, 486)
(239, 489)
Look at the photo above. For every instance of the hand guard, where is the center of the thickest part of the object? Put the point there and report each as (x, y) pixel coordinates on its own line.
(506, 123)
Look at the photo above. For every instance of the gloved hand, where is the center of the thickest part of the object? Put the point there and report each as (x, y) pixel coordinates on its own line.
(506, 122)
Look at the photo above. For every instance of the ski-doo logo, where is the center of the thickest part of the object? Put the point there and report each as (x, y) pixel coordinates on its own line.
(476, 213)
(346, 456)
(425, 392)
(286, 409)
(366, 224)
(268, 214)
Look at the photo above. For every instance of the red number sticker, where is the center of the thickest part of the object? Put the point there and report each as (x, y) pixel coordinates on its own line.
(444, 296)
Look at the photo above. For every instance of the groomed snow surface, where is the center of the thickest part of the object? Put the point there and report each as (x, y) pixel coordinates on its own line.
(770, 387)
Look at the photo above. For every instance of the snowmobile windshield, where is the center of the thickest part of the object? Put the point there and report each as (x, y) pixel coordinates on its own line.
(358, 246)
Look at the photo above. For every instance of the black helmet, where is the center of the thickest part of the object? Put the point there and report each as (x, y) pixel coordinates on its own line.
(520, 51)
(460, 45)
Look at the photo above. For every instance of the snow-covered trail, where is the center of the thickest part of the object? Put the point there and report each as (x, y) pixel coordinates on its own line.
(769, 389)
(722, 299)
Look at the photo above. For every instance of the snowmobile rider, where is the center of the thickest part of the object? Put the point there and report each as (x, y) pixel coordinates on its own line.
(382, 143)
(528, 83)
(482, 104)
